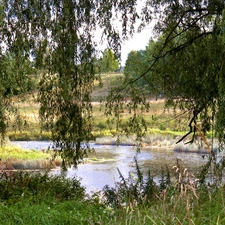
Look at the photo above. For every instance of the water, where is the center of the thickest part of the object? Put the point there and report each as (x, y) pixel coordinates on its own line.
(96, 174)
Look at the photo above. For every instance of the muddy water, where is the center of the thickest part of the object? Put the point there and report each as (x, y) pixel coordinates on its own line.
(101, 169)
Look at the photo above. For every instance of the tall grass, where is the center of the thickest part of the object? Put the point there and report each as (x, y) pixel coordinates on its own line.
(157, 118)
(177, 199)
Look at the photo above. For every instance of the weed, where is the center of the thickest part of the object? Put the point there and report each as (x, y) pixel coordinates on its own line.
(132, 191)
(178, 198)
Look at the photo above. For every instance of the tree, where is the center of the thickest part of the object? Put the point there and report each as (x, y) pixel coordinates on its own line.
(135, 65)
(16, 79)
(187, 64)
(108, 63)
(59, 36)
(189, 78)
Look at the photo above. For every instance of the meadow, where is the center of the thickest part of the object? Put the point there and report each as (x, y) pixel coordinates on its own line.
(158, 119)
(162, 131)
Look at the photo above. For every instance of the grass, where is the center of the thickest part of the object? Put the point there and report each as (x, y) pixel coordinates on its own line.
(157, 119)
(13, 157)
(14, 152)
(76, 212)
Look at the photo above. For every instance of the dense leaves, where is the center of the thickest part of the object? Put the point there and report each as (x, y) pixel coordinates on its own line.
(57, 39)
(185, 64)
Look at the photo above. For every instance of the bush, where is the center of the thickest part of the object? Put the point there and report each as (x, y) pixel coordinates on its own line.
(101, 125)
(38, 187)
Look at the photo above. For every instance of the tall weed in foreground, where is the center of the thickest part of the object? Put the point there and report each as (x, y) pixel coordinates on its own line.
(211, 174)
(142, 189)
(178, 198)
(132, 191)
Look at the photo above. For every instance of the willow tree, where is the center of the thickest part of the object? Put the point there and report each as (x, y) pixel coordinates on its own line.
(185, 64)
(58, 38)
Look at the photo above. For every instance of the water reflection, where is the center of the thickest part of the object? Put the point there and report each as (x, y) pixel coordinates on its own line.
(96, 174)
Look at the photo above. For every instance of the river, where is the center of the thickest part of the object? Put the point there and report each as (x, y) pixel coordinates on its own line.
(102, 169)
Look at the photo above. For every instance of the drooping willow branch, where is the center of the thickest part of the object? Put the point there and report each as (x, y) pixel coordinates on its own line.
(192, 128)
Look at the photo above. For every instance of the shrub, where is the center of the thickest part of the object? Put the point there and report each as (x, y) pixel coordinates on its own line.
(38, 187)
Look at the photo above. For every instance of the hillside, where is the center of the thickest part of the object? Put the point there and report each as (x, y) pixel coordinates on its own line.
(101, 90)
(158, 119)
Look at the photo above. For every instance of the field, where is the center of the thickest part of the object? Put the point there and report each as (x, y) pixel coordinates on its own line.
(164, 126)
(158, 120)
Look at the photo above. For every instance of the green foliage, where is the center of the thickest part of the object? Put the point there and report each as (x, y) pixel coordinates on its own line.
(193, 89)
(178, 198)
(137, 64)
(108, 63)
(57, 40)
(15, 79)
(38, 187)
(132, 191)
(184, 65)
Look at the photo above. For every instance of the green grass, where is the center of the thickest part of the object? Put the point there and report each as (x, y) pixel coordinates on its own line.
(67, 212)
(13, 157)
(14, 152)
(76, 212)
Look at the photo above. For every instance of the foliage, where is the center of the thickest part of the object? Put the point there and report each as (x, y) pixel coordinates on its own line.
(132, 191)
(16, 78)
(108, 63)
(184, 65)
(38, 187)
(136, 64)
(137, 200)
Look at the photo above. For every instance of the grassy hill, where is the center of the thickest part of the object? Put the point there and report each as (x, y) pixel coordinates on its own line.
(158, 120)
(102, 90)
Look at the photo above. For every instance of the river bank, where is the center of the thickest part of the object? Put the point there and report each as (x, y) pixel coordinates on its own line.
(105, 161)
(43, 160)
